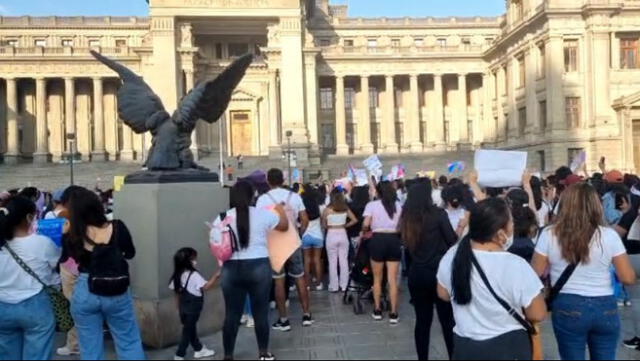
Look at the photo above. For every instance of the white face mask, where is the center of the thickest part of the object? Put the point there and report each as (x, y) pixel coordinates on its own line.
(507, 245)
(194, 263)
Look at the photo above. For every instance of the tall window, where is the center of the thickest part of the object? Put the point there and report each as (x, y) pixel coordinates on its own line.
(238, 49)
(522, 72)
(218, 50)
(572, 106)
(67, 42)
(348, 43)
(374, 100)
(522, 120)
(542, 61)
(570, 56)
(120, 43)
(629, 54)
(442, 43)
(518, 10)
(349, 98)
(419, 42)
(466, 44)
(326, 99)
(542, 110)
(395, 43)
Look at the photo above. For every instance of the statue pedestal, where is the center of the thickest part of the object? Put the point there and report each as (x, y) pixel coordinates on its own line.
(164, 217)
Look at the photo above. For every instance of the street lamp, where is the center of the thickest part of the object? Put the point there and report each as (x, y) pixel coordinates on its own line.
(71, 137)
(289, 134)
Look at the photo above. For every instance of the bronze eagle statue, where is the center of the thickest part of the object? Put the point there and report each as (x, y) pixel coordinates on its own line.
(142, 110)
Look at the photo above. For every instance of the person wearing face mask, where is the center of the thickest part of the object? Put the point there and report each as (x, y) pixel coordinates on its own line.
(189, 286)
(581, 247)
(27, 324)
(487, 301)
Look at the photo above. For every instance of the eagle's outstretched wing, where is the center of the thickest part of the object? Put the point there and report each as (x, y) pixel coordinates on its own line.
(138, 105)
(208, 100)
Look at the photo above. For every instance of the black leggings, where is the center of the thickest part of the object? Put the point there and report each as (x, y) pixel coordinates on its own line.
(423, 287)
(239, 278)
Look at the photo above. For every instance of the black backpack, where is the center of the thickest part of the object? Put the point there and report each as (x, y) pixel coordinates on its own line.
(108, 270)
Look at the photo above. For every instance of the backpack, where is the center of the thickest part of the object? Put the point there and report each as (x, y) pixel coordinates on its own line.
(108, 270)
(223, 240)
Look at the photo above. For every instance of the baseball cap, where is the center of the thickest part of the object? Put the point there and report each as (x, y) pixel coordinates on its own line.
(572, 179)
(614, 176)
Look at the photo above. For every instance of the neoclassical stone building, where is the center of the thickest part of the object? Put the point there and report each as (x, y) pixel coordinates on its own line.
(551, 77)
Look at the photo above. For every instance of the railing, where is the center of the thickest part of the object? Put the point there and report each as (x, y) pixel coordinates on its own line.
(387, 50)
(408, 21)
(66, 51)
(52, 21)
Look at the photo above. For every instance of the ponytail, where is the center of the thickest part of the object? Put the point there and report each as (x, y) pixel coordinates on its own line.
(241, 199)
(12, 215)
(461, 273)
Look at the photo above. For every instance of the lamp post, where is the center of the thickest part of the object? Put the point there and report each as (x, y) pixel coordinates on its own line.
(221, 144)
(289, 134)
(71, 137)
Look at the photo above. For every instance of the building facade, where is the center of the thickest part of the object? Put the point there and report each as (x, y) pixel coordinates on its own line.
(553, 77)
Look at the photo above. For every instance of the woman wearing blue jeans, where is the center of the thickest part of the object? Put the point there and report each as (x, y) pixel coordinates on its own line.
(89, 308)
(585, 313)
(27, 325)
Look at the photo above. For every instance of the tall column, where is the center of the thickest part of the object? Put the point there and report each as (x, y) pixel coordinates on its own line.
(438, 114)
(413, 138)
(42, 137)
(366, 147)
(13, 141)
(463, 114)
(501, 132)
(70, 112)
(99, 152)
(512, 71)
(274, 113)
(555, 91)
(530, 91)
(600, 93)
(311, 81)
(127, 152)
(341, 118)
(190, 81)
(292, 78)
(488, 125)
(389, 127)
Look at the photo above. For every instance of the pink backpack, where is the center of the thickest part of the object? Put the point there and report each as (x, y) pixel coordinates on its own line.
(223, 240)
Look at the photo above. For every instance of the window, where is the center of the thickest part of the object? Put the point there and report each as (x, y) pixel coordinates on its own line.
(325, 42)
(349, 98)
(67, 42)
(374, 101)
(629, 54)
(12, 43)
(326, 99)
(348, 43)
(543, 160)
(570, 56)
(442, 43)
(522, 72)
(218, 50)
(522, 120)
(395, 43)
(542, 61)
(488, 41)
(238, 49)
(542, 106)
(40, 43)
(466, 44)
(121, 43)
(572, 110)
(418, 42)
(398, 98)
(572, 153)
(94, 43)
(372, 43)
(518, 10)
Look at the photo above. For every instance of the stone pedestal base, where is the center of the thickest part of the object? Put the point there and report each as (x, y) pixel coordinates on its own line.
(391, 148)
(342, 149)
(11, 159)
(41, 158)
(127, 155)
(162, 218)
(366, 149)
(99, 157)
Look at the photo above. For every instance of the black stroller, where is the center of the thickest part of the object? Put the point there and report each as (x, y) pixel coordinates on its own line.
(360, 286)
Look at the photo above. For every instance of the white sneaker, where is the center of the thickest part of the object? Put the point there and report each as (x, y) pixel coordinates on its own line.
(178, 358)
(287, 304)
(244, 319)
(272, 305)
(320, 287)
(204, 353)
(66, 352)
(251, 323)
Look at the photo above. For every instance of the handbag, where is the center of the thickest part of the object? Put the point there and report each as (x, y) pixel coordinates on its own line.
(60, 304)
(532, 330)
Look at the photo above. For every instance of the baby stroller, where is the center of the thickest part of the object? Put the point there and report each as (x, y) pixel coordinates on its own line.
(360, 283)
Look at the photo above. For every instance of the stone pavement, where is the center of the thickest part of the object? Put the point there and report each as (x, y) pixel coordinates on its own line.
(340, 334)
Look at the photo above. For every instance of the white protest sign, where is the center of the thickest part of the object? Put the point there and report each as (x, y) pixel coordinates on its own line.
(362, 179)
(372, 163)
(500, 169)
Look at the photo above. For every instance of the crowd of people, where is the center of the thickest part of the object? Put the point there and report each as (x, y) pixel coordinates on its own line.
(494, 263)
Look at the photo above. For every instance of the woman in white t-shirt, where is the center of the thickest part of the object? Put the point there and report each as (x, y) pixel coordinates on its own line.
(249, 270)
(26, 314)
(313, 238)
(585, 311)
(485, 330)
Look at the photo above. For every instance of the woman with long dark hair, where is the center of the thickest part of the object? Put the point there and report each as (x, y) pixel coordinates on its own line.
(428, 235)
(479, 272)
(525, 224)
(385, 248)
(313, 238)
(102, 249)
(585, 312)
(249, 270)
(27, 324)
(336, 218)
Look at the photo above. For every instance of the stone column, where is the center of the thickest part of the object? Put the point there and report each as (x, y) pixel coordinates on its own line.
(413, 138)
(13, 141)
(389, 119)
(501, 132)
(488, 126)
(512, 71)
(42, 133)
(127, 153)
(190, 81)
(555, 91)
(438, 114)
(463, 117)
(600, 91)
(311, 81)
(366, 147)
(70, 112)
(530, 91)
(274, 113)
(99, 152)
(341, 118)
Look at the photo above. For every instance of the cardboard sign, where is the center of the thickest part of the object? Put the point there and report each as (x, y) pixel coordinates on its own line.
(118, 183)
(52, 228)
(500, 169)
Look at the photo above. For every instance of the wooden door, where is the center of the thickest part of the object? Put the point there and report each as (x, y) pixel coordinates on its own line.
(241, 133)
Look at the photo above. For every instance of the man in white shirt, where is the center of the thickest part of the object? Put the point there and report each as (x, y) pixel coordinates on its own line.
(296, 211)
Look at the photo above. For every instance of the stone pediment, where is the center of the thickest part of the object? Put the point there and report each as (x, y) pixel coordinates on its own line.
(243, 95)
(628, 101)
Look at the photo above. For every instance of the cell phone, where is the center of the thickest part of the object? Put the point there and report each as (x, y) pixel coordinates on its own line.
(603, 160)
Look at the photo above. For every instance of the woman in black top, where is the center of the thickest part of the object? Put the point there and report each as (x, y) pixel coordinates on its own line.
(101, 249)
(428, 235)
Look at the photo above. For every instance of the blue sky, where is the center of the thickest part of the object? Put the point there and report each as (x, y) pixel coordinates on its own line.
(391, 8)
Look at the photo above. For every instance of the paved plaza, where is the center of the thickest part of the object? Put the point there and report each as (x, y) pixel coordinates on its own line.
(341, 335)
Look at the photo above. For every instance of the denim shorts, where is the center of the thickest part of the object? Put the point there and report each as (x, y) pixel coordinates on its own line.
(294, 266)
(309, 242)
